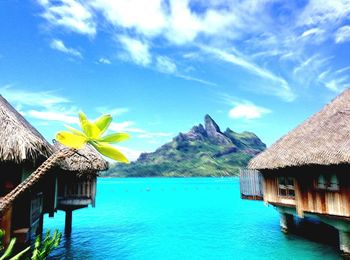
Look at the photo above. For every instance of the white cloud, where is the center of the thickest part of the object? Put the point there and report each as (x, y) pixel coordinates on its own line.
(69, 14)
(314, 35)
(342, 70)
(305, 64)
(70, 117)
(129, 127)
(146, 17)
(342, 34)
(112, 111)
(283, 90)
(165, 65)
(313, 31)
(278, 44)
(59, 45)
(184, 25)
(152, 18)
(324, 12)
(338, 84)
(130, 153)
(138, 51)
(151, 135)
(323, 75)
(23, 97)
(59, 116)
(104, 61)
(247, 111)
(201, 81)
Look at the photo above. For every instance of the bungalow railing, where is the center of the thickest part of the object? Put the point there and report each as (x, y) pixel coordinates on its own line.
(79, 190)
(251, 184)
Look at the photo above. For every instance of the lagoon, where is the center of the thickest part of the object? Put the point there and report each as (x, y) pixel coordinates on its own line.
(179, 218)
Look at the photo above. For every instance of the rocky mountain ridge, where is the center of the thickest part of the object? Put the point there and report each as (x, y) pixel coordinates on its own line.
(203, 151)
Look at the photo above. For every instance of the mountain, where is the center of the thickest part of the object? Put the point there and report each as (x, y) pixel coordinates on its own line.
(203, 151)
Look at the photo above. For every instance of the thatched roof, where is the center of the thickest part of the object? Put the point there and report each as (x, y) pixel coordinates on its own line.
(323, 139)
(85, 162)
(19, 140)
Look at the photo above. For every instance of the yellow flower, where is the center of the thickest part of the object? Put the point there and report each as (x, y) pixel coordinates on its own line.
(92, 134)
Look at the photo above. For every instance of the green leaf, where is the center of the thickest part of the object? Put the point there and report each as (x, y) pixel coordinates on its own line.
(114, 138)
(9, 249)
(103, 123)
(110, 151)
(74, 131)
(20, 254)
(90, 129)
(71, 140)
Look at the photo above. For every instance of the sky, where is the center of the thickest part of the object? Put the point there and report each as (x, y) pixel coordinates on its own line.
(159, 66)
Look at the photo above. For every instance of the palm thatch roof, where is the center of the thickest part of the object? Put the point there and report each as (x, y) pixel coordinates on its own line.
(19, 140)
(323, 139)
(85, 162)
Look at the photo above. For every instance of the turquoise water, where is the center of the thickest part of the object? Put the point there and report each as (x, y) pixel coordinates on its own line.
(194, 218)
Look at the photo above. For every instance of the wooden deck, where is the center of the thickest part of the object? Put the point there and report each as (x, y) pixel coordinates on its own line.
(251, 184)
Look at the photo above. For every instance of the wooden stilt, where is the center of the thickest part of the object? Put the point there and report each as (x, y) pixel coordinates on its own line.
(68, 223)
(344, 242)
(39, 231)
(286, 222)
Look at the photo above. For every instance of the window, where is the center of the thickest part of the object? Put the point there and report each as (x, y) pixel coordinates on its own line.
(286, 187)
(327, 182)
(321, 182)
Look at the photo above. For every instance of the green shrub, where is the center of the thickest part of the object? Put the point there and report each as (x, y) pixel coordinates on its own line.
(42, 247)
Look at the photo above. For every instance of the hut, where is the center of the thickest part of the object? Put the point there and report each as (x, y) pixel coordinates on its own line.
(77, 181)
(306, 172)
(22, 150)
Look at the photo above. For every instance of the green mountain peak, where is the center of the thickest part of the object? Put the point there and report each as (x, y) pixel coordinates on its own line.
(203, 151)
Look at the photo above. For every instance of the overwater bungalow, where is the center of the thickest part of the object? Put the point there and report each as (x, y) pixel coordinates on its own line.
(69, 185)
(77, 181)
(306, 172)
(22, 150)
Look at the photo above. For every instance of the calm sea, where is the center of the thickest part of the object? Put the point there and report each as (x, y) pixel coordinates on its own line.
(192, 218)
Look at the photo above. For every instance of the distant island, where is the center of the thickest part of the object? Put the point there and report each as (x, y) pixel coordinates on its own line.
(204, 151)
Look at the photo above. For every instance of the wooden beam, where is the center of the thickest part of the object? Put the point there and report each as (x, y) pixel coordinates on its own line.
(68, 222)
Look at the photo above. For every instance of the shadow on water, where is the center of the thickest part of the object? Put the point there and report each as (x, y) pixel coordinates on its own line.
(316, 231)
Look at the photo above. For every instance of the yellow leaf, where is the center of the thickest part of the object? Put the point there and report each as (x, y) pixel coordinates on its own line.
(114, 138)
(103, 123)
(71, 140)
(90, 129)
(110, 151)
(74, 131)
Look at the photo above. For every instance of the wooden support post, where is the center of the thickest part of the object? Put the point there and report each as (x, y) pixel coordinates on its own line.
(286, 222)
(344, 242)
(39, 230)
(68, 222)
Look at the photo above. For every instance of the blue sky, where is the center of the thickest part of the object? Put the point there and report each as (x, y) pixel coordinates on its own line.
(160, 66)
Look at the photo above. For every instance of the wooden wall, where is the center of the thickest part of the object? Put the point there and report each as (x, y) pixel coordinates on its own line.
(311, 199)
(307, 197)
(271, 191)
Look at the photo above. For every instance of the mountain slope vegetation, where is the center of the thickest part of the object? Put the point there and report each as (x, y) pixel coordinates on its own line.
(203, 151)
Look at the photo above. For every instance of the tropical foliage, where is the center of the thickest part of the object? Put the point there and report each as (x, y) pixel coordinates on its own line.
(92, 133)
(42, 247)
